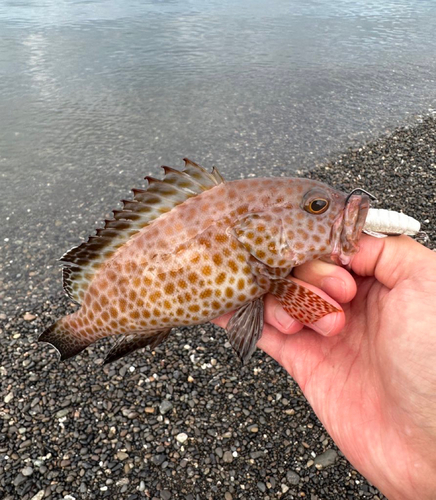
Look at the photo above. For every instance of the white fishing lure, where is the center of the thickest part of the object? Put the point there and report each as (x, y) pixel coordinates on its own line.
(380, 223)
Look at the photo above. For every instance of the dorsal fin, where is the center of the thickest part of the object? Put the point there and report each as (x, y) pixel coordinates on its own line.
(161, 196)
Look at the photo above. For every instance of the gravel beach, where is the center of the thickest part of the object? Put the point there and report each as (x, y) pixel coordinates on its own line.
(186, 421)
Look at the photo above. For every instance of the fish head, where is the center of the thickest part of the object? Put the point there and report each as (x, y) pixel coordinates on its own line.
(326, 223)
(339, 217)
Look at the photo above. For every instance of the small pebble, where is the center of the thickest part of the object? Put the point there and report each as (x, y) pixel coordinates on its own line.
(121, 455)
(8, 397)
(261, 486)
(62, 413)
(292, 477)
(327, 458)
(165, 407)
(27, 471)
(182, 437)
(39, 495)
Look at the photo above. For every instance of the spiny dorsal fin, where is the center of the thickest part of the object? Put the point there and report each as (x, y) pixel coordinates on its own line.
(161, 196)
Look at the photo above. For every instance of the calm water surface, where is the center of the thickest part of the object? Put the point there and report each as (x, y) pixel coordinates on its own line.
(96, 94)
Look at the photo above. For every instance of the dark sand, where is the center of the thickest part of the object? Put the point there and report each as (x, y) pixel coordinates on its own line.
(77, 430)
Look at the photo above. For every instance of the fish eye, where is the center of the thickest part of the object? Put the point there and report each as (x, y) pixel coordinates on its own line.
(317, 206)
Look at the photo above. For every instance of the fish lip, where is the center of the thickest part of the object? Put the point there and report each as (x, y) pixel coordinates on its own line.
(348, 227)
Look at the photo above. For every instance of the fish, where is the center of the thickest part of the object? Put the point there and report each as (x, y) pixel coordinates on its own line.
(192, 247)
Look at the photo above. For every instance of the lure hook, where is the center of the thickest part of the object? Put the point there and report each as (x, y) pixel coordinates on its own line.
(362, 191)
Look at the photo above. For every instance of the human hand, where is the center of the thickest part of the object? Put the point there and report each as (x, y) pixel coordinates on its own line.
(371, 375)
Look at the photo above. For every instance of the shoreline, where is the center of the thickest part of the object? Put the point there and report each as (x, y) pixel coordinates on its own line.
(92, 432)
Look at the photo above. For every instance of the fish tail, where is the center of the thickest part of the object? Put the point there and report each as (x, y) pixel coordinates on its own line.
(64, 338)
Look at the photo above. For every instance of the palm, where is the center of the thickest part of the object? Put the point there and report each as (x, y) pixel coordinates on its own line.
(360, 381)
(372, 382)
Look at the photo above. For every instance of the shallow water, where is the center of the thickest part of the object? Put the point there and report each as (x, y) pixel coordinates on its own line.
(96, 94)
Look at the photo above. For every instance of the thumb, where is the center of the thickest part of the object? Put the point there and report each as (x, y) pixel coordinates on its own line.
(393, 259)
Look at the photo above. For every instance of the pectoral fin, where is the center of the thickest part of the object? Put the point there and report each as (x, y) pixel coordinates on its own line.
(129, 343)
(245, 329)
(299, 302)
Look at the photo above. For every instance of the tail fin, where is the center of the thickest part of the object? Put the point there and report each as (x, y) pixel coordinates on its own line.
(64, 339)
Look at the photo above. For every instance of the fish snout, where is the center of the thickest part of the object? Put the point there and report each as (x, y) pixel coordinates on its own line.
(348, 227)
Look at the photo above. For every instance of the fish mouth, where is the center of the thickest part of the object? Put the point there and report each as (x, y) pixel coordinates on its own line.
(348, 227)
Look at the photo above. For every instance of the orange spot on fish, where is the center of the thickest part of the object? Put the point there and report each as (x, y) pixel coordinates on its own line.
(196, 259)
(169, 288)
(217, 259)
(221, 238)
(193, 278)
(206, 293)
(122, 304)
(155, 296)
(206, 270)
(233, 266)
(182, 284)
(219, 280)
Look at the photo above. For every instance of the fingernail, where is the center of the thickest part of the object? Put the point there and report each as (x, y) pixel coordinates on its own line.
(333, 286)
(283, 318)
(325, 325)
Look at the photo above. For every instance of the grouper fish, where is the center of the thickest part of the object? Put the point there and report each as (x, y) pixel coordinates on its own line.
(192, 247)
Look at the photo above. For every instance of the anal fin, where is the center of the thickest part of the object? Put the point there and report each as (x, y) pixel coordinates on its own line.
(245, 329)
(299, 302)
(131, 342)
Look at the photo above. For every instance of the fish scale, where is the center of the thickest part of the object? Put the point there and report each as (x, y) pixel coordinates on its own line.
(193, 247)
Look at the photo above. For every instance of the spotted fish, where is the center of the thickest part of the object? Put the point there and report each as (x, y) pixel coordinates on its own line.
(192, 247)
